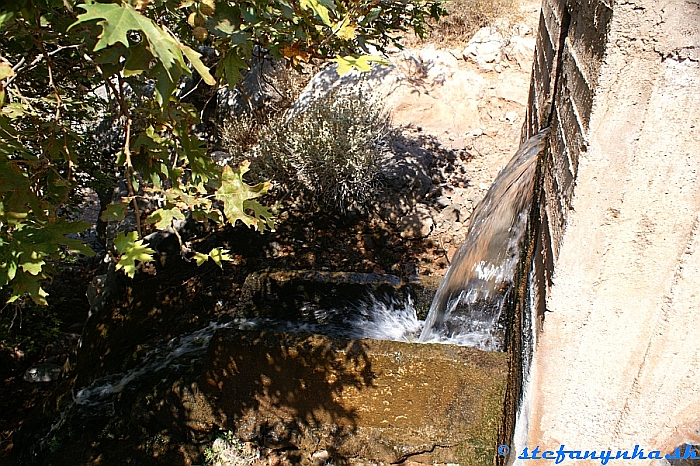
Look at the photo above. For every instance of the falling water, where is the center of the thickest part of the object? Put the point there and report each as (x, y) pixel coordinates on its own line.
(469, 302)
(466, 310)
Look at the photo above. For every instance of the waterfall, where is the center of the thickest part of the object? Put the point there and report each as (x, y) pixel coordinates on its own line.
(466, 310)
(469, 302)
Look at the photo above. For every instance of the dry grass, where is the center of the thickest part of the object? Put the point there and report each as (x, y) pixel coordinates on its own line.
(239, 133)
(464, 19)
(288, 84)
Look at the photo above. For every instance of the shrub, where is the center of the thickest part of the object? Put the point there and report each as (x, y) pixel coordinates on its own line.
(328, 153)
(238, 134)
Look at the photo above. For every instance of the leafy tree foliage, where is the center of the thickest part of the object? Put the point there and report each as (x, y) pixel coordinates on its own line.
(66, 66)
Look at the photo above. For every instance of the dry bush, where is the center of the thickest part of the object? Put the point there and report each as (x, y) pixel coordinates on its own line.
(239, 133)
(288, 84)
(328, 153)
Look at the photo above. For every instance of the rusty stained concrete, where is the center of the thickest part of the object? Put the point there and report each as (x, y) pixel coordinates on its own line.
(377, 400)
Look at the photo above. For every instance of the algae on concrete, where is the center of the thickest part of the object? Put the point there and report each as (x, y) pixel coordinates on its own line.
(379, 400)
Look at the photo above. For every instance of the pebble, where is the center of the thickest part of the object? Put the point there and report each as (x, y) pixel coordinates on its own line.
(44, 372)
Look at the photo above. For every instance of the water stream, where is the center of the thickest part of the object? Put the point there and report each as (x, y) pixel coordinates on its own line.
(470, 300)
(467, 309)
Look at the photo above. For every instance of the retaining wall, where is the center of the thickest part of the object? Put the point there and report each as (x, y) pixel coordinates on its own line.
(614, 284)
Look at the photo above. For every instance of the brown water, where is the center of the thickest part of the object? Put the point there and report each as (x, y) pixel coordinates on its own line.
(468, 306)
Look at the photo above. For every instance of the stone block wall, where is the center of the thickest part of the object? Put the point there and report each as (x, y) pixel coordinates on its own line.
(570, 47)
(609, 316)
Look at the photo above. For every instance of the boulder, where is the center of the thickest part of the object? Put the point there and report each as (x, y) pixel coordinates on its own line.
(378, 82)
(485, 48)
(521, 50)
(418, 224)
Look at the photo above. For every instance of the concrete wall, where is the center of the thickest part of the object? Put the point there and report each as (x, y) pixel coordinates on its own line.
(615, 282)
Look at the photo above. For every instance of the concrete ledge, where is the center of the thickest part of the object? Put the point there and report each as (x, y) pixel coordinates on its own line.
(366, 399)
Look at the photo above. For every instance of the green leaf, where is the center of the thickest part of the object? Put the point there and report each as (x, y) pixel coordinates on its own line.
(5, 18)
(238, 196)
(26, 283)
(359, 62)
(319, 8)
(116, 20)
(114, 213)
(33, 263)
(200, 258)
(263, 215)
(201, 68)
(13, 110)
(195, 150)
(12, 179)
(200, 215)
(139, 60)
(230, 68)
(46, 236)
(5, 70)
(163, 218)
(218, 255)
(8, 270)
(346, 30)
(131, 250)
(109, 59)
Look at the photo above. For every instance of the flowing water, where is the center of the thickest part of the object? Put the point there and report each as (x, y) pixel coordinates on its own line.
(470, 300)
(466, 310)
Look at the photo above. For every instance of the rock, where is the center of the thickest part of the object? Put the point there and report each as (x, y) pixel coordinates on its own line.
(379, 81)
(256, 87)
(485, 48)
(431, 64)
(320, 457)
(522, 30)
(417, 225)
(522, 51)
(450, 214)
(425, 85)
(512, 117)
(491, 131)
(443, 201)
(363, 399)
(44, 372)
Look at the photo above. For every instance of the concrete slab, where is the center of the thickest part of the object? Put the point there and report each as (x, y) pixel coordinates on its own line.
(378, 400)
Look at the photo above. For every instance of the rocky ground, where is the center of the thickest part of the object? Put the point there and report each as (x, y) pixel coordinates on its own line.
(458, 112)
